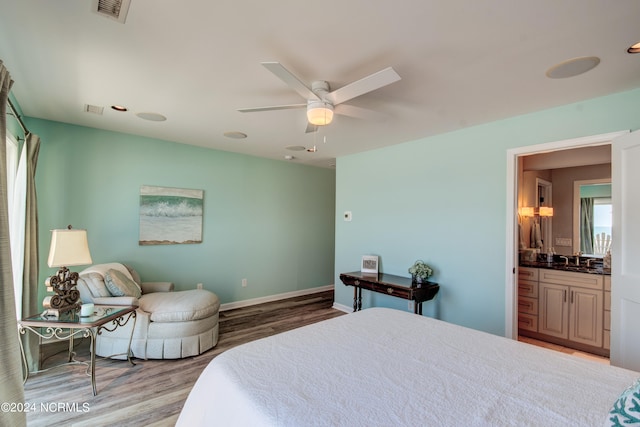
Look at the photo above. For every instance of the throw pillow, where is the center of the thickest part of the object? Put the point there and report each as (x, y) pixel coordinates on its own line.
(626, 410)
(96, 285)
(120, 285)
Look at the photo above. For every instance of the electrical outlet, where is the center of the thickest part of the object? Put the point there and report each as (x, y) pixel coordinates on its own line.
(199, 286)
(563, 241)
(244, 283)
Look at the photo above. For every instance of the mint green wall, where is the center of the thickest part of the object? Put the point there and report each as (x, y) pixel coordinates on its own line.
(268, 221)
(442, 199)
(596, 190)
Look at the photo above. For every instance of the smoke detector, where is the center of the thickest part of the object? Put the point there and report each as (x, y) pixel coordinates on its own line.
(112, 9)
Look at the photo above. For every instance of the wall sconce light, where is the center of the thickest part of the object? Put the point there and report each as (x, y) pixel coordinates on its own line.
(525, 211)
(545, 211)
(529, 211)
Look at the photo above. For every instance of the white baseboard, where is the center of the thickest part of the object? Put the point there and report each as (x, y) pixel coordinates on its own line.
(261, 300)
(342, 307)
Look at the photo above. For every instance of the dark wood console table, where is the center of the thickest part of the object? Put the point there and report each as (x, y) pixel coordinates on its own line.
(389, 284)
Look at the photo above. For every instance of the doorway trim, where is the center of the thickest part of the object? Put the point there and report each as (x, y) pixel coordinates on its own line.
(511, 264)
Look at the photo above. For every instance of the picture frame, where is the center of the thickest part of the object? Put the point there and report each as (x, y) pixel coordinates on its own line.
(369, 264)
(170, 216)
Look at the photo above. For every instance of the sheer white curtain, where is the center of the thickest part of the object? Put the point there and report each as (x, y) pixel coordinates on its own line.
(11, 379)
(17, 200)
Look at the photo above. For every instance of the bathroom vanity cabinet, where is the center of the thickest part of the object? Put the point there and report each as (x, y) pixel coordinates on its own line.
(570, 308)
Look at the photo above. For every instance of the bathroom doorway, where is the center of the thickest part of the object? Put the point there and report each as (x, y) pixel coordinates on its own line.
(515, 159)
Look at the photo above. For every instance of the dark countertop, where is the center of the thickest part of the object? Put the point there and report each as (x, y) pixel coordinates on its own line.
(582, 268)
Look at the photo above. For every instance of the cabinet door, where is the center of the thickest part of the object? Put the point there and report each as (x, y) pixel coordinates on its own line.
(586, 316)
(553, 305)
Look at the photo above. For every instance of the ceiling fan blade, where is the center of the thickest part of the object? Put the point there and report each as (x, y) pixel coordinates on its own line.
(311, 128)
(291, 80)
(273, 107)
(364, 85)
(359, 112)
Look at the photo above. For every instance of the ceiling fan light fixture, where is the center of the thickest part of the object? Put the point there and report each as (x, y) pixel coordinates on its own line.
(319, 113)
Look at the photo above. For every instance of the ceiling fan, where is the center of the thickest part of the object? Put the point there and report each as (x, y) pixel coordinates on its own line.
(321, 103)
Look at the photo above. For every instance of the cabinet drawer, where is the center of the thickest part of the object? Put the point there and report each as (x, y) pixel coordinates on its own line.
(583, 280)
(528, 305)
(607, 283)
(527, 288)
(527, 273)
(528, 322)
(387, 289)
(384, 288)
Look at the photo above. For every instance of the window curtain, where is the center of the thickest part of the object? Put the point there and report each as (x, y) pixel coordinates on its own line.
(29, 243)
(11, 379)
(586, 225)
(17, 206)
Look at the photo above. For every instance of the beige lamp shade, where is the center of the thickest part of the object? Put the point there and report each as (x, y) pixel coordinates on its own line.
(545, 211)
(526, 211)
(69, 247)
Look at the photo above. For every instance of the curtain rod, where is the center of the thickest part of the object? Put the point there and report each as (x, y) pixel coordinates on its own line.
(14, 113)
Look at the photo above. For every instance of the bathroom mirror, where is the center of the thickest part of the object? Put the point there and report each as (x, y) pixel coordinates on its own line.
(562, 169)
(592, 216)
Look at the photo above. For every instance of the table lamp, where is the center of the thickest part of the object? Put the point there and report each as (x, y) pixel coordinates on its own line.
(68, 248)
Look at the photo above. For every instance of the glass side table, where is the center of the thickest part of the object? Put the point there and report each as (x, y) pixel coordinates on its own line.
(70, 325)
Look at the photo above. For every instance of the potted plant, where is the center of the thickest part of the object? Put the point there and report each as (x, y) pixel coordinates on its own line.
(420, 272)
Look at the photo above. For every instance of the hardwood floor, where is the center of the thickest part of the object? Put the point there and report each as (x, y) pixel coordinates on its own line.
(567, 350)
(153, 392)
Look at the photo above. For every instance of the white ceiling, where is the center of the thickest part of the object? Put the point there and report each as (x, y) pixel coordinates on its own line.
(196, 62)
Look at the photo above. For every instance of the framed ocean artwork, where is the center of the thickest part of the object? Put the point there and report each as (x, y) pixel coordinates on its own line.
(170, 216)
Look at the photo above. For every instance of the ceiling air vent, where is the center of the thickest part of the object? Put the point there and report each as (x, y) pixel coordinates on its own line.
(88, 108)
(113, 9)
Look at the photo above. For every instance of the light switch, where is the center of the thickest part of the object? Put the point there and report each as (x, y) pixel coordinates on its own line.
(347, 216)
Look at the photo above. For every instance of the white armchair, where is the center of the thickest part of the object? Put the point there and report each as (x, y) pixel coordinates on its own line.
(169, 325)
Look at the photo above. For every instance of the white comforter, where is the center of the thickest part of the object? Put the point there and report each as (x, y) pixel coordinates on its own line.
(383, 367)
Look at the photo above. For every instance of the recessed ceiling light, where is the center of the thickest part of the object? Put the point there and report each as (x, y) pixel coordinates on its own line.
(312, 149)
(635, 48)
(119, 108)
(235, 135)
(154, 117)
(296, 148)
(572, 67)
(289, 157)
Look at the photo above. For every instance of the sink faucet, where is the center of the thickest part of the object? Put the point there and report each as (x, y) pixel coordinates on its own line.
(578, 255)
(566, 259)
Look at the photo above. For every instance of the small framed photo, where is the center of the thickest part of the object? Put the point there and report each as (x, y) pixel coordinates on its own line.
(369, 264)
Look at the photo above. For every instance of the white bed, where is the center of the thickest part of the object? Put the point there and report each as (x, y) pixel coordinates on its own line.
(383, 367)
